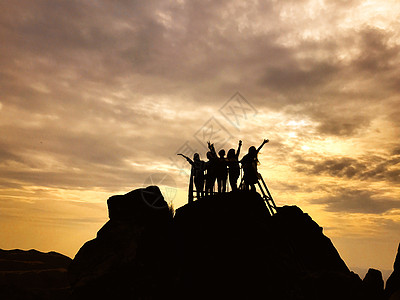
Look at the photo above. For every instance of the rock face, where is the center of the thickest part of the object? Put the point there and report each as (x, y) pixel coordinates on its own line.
(219, 247)
(373, 285)
(392, 290)
(131, 253)
(230, 247)
(33, 275)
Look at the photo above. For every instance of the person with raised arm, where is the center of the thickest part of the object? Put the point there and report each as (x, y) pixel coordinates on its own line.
(249, 163)
(211, 173)
(221, 168)
(198, 167)
(233, 166)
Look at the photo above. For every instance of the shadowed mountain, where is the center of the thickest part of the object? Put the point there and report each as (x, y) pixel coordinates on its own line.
(33, 275)
(219, 247)
(132, 253)
(230, 246)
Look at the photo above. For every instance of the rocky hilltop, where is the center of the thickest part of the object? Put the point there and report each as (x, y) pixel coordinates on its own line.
(219, 247)
(33, 275)
(227, 246)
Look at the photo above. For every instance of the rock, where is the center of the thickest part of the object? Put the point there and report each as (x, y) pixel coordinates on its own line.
(130, 255)
(230, 247)
(373, 285)
(219, 247)
(392, 290)
(139, 205)
(33, 275)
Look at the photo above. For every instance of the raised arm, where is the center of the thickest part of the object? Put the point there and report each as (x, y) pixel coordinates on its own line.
(212, 149)
(263, 143)
(238, 150)
(187, 158)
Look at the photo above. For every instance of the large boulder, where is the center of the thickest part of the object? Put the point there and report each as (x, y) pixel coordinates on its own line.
(392, 290)
(373, 285)
(130, 254)
(140, 205)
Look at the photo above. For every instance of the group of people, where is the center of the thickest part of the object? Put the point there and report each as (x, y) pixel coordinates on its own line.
(218, 167)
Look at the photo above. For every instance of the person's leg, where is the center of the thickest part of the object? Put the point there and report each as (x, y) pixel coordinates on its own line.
(209, 188)
(246, 185)
(233, 182)
(201, 187)
(224, 185)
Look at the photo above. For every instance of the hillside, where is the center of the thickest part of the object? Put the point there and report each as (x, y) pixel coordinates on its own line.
(219, 247)
(226, 246)
(33, 275)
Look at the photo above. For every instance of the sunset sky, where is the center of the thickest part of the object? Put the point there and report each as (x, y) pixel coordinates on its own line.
(97, 97)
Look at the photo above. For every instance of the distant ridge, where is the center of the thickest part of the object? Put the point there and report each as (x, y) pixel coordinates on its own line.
(31, 274)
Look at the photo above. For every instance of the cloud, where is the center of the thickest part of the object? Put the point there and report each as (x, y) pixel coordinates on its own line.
(97, 77)
(371, 167)
(377, 53)
(348, 200)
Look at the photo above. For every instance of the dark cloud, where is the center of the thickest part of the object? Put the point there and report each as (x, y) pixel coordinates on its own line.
(347, 124)
(372, 167)
(346, 200)
(396, 151)
(377, 54)
(167, 48)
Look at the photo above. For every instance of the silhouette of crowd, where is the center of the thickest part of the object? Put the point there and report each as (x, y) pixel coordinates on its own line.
(219, 168)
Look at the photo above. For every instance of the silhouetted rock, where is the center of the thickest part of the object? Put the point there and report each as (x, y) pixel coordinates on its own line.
(392, 290)
(140, 205)
(219, 247)
(373, 285)
(230, 247)
(131, 253)
(33, 275)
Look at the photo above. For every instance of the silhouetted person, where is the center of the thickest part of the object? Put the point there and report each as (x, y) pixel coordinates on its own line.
(221, 168)
(198, 167)
(249, 163)
(233, 166)
(211, 172)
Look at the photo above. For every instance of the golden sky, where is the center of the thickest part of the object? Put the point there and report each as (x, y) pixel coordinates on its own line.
(97, 97)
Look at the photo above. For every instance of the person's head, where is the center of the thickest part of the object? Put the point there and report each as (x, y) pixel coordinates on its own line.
(252, 150)
(196, 156)
(221, 153)
(231, 153)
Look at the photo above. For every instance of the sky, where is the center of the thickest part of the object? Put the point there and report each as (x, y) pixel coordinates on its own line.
(98, 97)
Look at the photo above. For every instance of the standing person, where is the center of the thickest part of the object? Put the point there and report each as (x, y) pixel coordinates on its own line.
(222, 171)
(249, 163)
(233, 166)
(198, 167)
(210, 166)
(221, 168)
